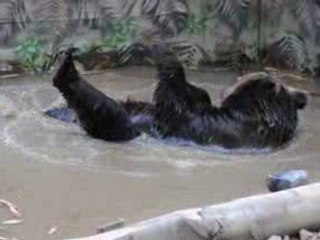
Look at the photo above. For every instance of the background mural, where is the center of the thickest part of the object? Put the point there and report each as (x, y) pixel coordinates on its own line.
(111, 33)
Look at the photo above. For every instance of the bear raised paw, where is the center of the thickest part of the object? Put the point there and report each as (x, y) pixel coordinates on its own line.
(255, 113)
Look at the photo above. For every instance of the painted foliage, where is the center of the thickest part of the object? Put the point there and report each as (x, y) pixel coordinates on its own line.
(282, 33)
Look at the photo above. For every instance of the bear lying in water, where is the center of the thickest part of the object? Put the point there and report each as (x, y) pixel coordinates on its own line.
(256, 113)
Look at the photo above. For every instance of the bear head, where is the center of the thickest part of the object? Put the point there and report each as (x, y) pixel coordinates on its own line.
(267, 104)
(262, 85)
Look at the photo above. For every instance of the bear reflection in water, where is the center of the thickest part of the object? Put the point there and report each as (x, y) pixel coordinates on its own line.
(255, 113)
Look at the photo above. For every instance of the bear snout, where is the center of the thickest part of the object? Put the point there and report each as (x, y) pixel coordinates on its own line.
(300, 98)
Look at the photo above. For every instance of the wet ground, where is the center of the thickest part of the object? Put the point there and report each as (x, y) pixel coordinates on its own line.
(61, 178)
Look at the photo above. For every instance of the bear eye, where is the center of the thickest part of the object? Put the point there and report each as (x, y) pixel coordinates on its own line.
(275, 86)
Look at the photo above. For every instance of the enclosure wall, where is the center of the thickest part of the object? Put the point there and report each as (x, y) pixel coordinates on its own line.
(223, 32)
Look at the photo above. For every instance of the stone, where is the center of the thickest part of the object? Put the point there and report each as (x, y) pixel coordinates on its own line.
(275, 237)
(286, 180)
(307, 235)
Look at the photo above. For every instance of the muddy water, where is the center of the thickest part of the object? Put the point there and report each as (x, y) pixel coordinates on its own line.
(61, 178)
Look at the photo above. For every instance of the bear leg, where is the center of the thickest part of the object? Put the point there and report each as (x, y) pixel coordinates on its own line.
(99, 115)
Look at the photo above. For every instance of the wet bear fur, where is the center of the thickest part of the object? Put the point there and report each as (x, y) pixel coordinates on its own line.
(257, 113)
(140, 113)
(99, 115)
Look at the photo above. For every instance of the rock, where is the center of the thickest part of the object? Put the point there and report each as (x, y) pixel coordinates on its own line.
(275, 237)
(286, 237)
(288, 179)
(307, 235)
(10, 67)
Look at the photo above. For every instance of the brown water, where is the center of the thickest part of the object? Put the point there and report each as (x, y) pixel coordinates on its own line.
(61, 178)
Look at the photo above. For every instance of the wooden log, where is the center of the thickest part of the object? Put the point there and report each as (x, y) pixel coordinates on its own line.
(256, 217)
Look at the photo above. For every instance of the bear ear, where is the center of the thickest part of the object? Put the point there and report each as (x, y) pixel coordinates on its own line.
(300, 98)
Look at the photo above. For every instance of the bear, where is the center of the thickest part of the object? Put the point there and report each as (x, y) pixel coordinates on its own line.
(257, 113)
(141, 113)
(171, 72)
(99, 115)
(175, 97)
